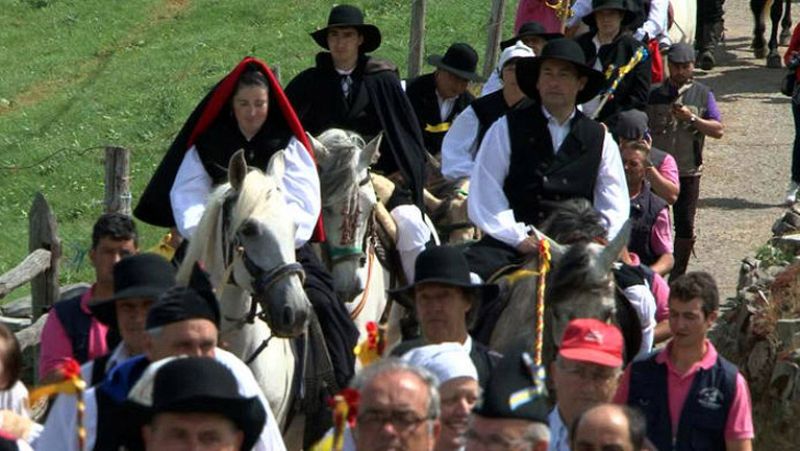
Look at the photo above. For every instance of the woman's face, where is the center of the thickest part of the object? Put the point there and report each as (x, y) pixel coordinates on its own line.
(250, 106)
(609, 20)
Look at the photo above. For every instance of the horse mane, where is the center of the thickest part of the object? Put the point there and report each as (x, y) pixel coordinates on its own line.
(255, 188)
(577, 270)
(339, 165)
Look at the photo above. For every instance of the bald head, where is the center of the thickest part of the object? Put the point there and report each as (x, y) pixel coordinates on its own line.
(608, 426)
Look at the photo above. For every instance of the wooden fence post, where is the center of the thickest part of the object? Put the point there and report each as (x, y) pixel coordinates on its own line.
(495, 32)
(43, 234)
(118, 181)
(416, 38)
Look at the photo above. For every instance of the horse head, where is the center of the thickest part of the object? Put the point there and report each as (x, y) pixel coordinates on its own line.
(348, 200)
(247, 236)
(581, 285)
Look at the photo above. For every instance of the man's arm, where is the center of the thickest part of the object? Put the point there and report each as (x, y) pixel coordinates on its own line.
(189, 193)
(56, 347)
(656, 20)
(488, 207)
(460, 145)
(664, 179)
(739, 426)
(611, 190)
(738, 445)
(661, 243)
(709, 125)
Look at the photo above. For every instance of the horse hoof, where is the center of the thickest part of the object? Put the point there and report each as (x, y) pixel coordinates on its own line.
(774, 61)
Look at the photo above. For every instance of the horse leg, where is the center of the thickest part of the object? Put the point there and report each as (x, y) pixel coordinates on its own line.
(759, 44)
(786, 24)
(773, 57)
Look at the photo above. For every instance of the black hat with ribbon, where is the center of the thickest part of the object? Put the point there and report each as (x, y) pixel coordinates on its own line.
(529, 29)
(516, 389)
(460, 59)
(196, 301)
(562, 49)
(142, 276)
(349, 16)
(629, 15)
(445, 265)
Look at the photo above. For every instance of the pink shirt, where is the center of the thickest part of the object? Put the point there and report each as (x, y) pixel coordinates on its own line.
(669, 169)
(740, 420)
(661, 234)
(56, 345)
(536, 10)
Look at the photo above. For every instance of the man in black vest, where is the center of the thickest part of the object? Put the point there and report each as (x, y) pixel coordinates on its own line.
(446, 301)
(138, 281)
(692, 397)
(682, 112)
(440, 96)
(534, 157)
(651, 235)
(70, 330)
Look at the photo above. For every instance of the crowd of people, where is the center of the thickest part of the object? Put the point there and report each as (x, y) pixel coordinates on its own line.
(573, 139)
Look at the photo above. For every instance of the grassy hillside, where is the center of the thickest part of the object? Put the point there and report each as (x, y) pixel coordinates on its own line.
(77, 75)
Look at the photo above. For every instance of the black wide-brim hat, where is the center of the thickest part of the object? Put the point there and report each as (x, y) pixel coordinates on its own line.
(622, 5)
(530, 29)
(562, 49)
(459, 59)
(349, 16)
(143, 276)
(446, 265)
(197, 385)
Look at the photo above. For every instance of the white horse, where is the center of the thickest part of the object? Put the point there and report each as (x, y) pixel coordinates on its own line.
(349, 206)
(245, 241)
(684, 21)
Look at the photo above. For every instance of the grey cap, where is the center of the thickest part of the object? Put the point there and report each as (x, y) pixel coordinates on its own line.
(630, 124)
(681, 53)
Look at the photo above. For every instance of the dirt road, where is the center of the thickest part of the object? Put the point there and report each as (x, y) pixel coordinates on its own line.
(748, 169)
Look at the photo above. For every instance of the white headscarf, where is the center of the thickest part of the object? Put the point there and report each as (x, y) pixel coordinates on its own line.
(518, 50)
(446, 361)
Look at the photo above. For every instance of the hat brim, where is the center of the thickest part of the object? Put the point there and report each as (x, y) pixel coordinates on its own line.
(436, 60)
(528, 75)
(591, 356)
(405, 295)
(627, 18)
(371, 33)
(246, 413)
(105, 310)
(546, 36)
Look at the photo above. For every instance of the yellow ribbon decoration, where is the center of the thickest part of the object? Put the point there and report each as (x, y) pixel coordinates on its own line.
(544, 267)
(437, 128)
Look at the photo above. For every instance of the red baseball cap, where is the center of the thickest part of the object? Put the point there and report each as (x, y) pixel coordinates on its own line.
(592, 341)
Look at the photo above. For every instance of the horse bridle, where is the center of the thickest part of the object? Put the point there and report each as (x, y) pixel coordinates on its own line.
(348, 226)
(263, 280)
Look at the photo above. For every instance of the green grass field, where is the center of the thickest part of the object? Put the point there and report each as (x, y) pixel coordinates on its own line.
(78, 75)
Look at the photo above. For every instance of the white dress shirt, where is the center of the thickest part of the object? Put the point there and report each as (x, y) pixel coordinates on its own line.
(119, 354)
(460, 145)
(445, 106)
(300, 185)
(489, 208)
(60, 431)
(559, 435)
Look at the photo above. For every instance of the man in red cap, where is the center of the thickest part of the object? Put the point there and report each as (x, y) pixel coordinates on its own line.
(584, 374)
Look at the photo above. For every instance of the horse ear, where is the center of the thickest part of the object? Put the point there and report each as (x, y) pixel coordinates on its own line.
(320, 151)
(556, 250)
(370, 153)
(237, 170)
(611, 252)
(276, 166)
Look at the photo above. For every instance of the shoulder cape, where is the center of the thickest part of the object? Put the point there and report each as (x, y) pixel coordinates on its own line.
(154, 206)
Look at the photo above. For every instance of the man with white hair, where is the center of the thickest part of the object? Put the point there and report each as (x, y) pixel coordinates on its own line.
(458, 388)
